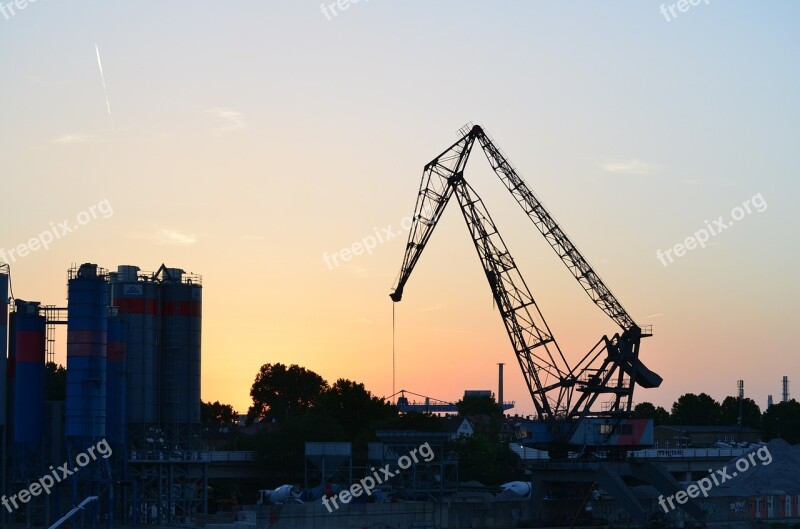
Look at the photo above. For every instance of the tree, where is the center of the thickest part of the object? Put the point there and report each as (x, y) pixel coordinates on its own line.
(354, 408)
(486, 413)
(782, 420)
(217, 415)
(483, 456)
(479, 405)
(280, 392)
(695, 410)
(647, 410)
(421, 422)
(55, 382)
(751, 413)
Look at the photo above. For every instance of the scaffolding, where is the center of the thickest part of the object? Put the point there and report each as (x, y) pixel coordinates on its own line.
(53, 316)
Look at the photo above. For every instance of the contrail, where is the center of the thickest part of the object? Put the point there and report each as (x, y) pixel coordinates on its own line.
(105, 91)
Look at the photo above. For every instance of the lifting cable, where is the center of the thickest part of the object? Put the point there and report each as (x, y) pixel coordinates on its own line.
(393, 347)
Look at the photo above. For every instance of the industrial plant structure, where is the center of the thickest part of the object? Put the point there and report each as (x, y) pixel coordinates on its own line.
(132, 384)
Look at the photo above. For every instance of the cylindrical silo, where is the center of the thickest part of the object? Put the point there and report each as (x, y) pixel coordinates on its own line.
(116, 417)
(11, 384)
(180, 352)
(87, 342)
(3, 345)
(28, 343)
(138, 305)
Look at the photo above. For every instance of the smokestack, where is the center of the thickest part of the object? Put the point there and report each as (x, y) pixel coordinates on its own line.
(500, 384)
(740, 385)
(785, 389)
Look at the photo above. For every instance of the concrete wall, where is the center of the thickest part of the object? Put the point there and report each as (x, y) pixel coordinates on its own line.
(406, 515)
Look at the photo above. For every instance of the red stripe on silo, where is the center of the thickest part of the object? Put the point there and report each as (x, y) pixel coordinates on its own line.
(86, 343)
(116, 352)
(86, 349)
(183, 308)
(30, 346)
(86, 336)
(136, 306)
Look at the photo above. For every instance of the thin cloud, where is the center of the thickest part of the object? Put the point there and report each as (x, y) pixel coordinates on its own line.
(174, 238)
(632, 166)
(226, 120)
(356, 269)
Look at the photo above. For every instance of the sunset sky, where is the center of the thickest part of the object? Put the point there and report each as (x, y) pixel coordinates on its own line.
(245, 141)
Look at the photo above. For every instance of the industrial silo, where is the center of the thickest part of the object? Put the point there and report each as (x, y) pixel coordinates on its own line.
(181, 297)
(28, 344)
(137, 300)
(87, 342)
(116, 416)
(3, 346)
(11, 384)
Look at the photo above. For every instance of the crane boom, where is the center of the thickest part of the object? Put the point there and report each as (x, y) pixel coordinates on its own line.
(545, 368)
(434, 193)
(566, 251)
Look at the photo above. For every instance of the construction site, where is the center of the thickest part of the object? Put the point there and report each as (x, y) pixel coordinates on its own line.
(131, 417)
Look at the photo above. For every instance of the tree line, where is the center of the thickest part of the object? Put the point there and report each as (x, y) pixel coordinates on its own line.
(293, 405)
(781, 420)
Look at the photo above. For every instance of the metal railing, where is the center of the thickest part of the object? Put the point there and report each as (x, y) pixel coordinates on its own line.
(193, 455)
(665, 453)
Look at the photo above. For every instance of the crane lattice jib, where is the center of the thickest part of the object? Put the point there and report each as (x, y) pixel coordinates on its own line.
(434, 193)
(567, 252)
(540, 358)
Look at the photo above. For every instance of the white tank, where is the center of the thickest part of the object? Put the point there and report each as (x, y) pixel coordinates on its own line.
(284, 494)
(520, 488)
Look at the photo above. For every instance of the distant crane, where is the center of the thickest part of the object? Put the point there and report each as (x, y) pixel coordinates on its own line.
(431, 404)
(563, 396)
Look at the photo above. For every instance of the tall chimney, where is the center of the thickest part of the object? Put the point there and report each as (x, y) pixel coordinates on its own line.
(500, 384)
(785, 395)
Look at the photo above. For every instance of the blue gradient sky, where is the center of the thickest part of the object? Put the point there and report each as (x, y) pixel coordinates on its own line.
(249, 138)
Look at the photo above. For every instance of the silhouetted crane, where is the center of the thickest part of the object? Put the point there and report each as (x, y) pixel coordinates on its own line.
(564, 396)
